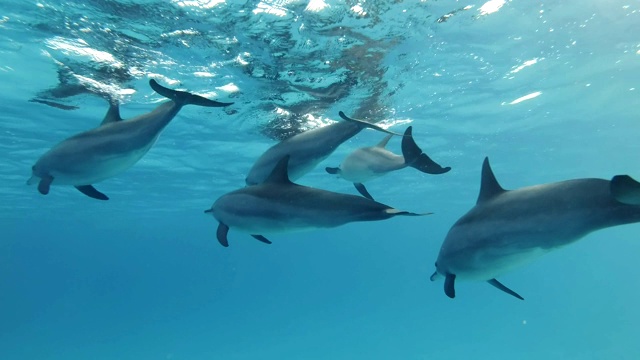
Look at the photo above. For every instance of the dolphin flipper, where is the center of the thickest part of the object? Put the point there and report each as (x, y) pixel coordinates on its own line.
(367, 124)
(449, 285)
(45, 184)
(332, 170)
(91, 192)
(499, 285)
(363, 190)
(183, 97)
(261, 238)
(221, 234)
(625, 189)
(416, 158)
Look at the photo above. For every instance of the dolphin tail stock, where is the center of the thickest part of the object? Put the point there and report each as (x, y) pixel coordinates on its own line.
(367, 124)
(397, 212)
(416, 158)
(185, 98)
(625, 189)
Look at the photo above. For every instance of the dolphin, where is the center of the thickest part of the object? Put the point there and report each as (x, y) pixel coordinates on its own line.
(111, 148)
(509, 228)
(279, 205)
(307, 149)
(374, 161)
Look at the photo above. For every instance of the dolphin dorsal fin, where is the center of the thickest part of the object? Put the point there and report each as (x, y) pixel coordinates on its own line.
(280, 173)
(113, 114)
(489, 186)
(383, 143)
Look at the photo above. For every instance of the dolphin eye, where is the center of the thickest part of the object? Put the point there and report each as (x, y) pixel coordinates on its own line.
(436, 264)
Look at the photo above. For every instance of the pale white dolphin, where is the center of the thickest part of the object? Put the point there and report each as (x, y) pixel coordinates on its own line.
(507, 229)
(278, 205)
(308, 149)
(374, 161)
(112, 147)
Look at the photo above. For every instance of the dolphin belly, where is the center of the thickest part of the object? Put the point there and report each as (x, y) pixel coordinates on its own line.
(369, 163)
(89, 167)
(262, 215)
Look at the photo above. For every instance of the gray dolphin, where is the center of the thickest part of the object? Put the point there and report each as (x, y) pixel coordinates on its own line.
(307, 149)
(374, 161)
(111, 148)
(506, 229)
(278, 205)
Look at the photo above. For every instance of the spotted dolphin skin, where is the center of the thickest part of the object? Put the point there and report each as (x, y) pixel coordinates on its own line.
(278, 205)
(374, 161)
(111, 148)
(307, 149)
(508, 228)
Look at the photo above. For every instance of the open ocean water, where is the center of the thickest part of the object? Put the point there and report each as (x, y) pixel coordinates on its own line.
(549, 90)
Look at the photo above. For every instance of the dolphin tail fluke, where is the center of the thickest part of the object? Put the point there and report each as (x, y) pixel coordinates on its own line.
(414, 157)
(363, 190)
(450, 285)
(625, 189)
(184, 98)
(92, 192)
(366, 124)
(499, 285)
(261, 239)
(221, 234)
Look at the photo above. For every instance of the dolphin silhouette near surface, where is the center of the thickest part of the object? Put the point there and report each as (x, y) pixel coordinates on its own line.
(98, 154)
(308, 149)
(279, 205)
(374, 161)
(508, 228)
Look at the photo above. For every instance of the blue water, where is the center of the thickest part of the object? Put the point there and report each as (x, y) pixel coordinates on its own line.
(548, 90)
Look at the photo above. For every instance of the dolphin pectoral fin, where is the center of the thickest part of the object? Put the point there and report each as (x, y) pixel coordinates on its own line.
(113, 114)
(498, 285)
(184, 98)
(45, 184)
(367, 124)
(625, 189)
(262, 239)
(449, 285)
(416, 158)
(221, 234)
(434, 276)
(363, 190)
(332, 170)
(91, 192)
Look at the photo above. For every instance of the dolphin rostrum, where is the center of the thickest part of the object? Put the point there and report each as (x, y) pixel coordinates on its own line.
(374, 161)
(111, 148)
(279, 205)
(307, 149)
(508, 228)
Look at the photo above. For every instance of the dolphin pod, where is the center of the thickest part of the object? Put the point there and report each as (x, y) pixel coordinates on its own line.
(504, 230)
(509, 228)
(98, 154)
(278, 205)
(371, 162)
